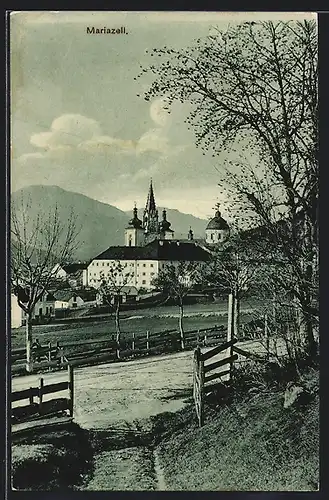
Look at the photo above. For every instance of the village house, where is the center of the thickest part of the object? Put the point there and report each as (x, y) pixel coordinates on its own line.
(71, 273)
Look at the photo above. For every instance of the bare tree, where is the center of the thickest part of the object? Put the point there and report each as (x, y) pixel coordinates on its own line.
(253, 88)
(176, 281)
(111, 289)
(37, 245)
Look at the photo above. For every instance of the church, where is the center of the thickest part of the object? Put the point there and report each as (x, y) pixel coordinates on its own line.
(150, 245)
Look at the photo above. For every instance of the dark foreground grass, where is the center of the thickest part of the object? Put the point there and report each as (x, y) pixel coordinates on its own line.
(250, 444)
(51, 460)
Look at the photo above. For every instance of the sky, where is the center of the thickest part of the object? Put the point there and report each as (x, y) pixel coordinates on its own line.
(78, 118)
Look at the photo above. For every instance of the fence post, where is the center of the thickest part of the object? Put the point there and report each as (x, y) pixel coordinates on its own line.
(31, 396)
(201, 377)
(230, 320)
(147, 340)
(49, 354)
(40, 394)
(133, 342)
(71, 389)
(205, 340)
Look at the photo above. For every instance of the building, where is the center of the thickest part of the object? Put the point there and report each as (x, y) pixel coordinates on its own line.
(150, 245)
(140, 265)
(72, 273)
(17, 313)
(217, 230)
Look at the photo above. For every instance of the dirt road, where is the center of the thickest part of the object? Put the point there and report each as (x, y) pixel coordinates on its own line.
(127, 391)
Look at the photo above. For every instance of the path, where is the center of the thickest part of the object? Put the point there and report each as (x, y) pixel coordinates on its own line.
(113, 393)
(118, 399)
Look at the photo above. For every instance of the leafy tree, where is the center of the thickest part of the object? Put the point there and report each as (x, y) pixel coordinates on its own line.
(111, 289)
(235, 266)
(176, 281)
(253, 88)
(37, 245)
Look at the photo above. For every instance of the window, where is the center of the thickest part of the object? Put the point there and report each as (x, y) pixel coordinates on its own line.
(108, 264)
(144, 274)
(151, 265)
(96, 263)
(144, 265)
(219, 236)
(152, 274)
(144, 282)
(212, 237)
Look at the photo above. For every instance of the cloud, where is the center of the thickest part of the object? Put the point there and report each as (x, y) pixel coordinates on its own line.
(68, 130)
(76, 131)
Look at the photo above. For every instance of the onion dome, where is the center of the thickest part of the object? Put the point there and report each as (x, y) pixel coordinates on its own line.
(217, 222)
(135, 222)
(164, 224)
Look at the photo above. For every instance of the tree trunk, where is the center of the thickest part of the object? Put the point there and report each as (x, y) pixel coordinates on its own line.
(117, 326)
(181, 330)
(28, 339)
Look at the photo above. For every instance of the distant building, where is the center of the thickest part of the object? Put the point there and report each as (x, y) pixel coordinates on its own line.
(217, 230)
(17, 313)
(73, 273)
(150, 245)
(144, 263)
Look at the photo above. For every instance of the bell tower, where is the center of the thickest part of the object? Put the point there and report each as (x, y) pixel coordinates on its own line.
(134, 232)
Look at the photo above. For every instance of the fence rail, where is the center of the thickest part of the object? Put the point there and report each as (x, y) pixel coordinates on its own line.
(41, 408)
(102, 350)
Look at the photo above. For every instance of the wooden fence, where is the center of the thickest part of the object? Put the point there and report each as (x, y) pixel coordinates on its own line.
(105, 350)
(201, 376)
(41, 408)
(205, 382)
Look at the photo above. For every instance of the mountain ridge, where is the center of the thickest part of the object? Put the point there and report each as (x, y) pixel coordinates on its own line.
(102, 224)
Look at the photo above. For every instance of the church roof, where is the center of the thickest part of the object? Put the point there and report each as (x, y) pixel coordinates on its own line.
(150, 202)
(217, 222)
(164, 250)
(135, 222)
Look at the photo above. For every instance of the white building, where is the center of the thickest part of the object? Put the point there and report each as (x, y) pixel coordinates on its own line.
(140, 265)
(17, 313)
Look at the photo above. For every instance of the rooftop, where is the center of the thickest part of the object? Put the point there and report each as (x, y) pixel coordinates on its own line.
(166, 250)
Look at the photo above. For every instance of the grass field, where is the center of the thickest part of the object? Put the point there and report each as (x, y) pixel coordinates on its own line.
(252, 444)
(154, 319)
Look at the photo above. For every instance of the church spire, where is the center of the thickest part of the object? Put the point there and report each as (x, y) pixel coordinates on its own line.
(150, 203)
(151, 218)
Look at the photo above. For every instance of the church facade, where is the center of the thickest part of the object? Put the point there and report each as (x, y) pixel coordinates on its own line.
(150, 245)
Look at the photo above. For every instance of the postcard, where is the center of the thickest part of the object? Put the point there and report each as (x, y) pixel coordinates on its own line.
(164, 271)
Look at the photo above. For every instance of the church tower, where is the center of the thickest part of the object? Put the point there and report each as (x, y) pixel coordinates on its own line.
(134, 233)
(151, 217)
(217, 230)
(165, 231)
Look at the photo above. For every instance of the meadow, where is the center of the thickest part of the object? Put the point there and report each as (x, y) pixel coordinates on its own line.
(156, 319)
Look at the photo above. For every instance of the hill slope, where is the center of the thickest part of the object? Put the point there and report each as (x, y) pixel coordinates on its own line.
(102, 225)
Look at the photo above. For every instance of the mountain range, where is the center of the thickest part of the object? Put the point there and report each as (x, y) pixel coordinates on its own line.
(102, 225)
